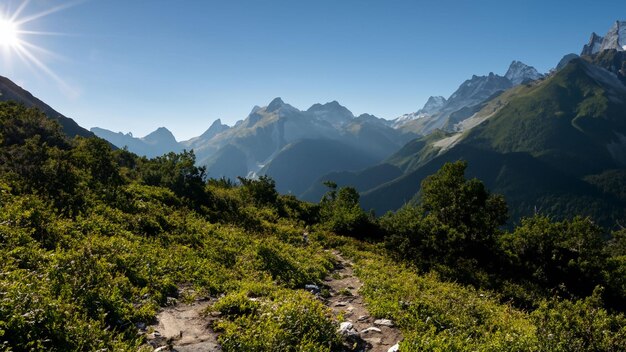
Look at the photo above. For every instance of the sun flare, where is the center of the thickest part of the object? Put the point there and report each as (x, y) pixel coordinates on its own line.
(9, 33)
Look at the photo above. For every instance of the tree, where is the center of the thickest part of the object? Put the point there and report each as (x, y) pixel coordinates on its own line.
(341, 212)
(261, 191)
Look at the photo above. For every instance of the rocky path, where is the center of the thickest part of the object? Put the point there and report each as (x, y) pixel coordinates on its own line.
(184, 328)
(360, 331)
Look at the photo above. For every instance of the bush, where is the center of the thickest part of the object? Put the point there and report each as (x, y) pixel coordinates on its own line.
(286, 321)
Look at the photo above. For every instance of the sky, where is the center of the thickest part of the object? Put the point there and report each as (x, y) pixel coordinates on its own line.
(136, 65)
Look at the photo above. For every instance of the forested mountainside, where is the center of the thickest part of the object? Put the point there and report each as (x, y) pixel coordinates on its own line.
(95, 242)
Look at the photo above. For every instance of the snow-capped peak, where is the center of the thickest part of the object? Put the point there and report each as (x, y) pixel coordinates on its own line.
(519, 73)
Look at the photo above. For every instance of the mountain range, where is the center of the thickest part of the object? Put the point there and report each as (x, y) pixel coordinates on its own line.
(553, 143)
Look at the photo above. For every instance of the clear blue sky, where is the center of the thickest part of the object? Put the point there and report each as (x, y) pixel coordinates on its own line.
(135, 65)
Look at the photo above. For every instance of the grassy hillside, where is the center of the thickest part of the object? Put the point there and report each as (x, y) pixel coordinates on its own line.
(96, 241)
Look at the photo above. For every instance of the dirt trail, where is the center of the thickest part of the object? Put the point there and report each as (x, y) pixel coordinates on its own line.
(345, 299)
(184, 328)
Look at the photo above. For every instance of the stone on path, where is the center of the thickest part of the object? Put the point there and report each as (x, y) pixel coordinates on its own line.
(371, 329)
(383, 322)
(394, 348)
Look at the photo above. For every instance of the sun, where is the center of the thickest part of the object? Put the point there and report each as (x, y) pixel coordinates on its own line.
(9, 33)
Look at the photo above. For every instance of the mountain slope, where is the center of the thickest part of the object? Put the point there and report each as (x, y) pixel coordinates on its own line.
(465, 101)
(300, 163)
(538, 148)
(11, 91)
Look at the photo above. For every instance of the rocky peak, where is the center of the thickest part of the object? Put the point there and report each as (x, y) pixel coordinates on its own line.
(161, 135)
(615, 38)
(275, 104)
(519, 73)
(332, 112)
(594, 45)
(215, 128)
(433, 105)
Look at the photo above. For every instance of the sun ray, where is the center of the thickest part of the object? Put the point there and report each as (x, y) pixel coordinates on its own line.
(19, 10)
(43, 51)
(43, 67)
(61, 34)
(48, 12)
(14, 45)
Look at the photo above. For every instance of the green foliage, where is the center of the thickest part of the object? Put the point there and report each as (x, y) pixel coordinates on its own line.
(581, 325)
(439, 316)
(564, 256)
(94, 241)
(455, 224)
(284, 321)
(261, 191)
(177, 172)
(340, 211)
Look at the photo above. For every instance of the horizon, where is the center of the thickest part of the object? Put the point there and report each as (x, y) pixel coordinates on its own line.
(183, 67)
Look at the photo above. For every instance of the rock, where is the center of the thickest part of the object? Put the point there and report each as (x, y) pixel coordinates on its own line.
(363, 317)
(171, 301)
(394, 348)
(383, 322)
(141, 326)
(350, 338)
(314, 289)
(371, 329)
(161, 349)
(345, 327)
(341, 304)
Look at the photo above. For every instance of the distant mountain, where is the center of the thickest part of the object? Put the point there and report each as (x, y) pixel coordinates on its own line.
(11, 91)
(296, 147)
(519, 73)
(216, 128)
(465, 100)
(555, 146)
(334, 113)
(594, 45)
(615, 39)
(433, 105)
(157, 143)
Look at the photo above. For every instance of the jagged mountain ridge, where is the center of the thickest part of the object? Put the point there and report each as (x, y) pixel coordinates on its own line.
(254, 142)
(468, 96)
(156, 143)
(615, 39)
